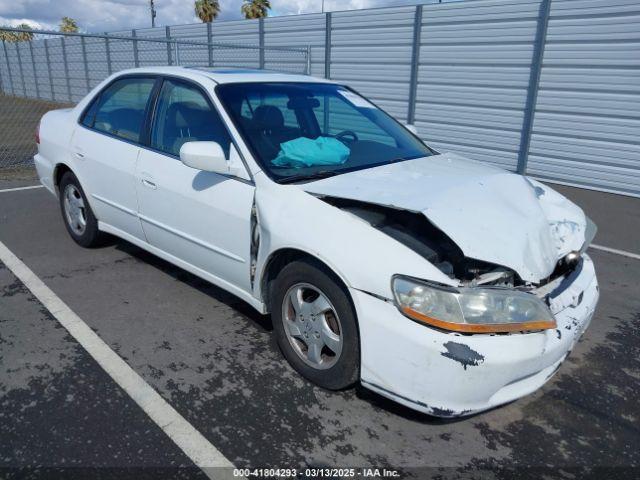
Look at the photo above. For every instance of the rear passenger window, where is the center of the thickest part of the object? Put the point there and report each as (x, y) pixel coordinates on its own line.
(184, 115)
(121, 108)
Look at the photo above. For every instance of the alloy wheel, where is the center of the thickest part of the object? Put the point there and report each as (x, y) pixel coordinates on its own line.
(312, 326)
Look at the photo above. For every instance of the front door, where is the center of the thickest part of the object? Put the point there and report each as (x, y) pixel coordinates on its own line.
(201, 218)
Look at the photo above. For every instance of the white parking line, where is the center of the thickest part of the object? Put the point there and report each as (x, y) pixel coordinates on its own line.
(183, 434)
(30, 187)
(615, 251)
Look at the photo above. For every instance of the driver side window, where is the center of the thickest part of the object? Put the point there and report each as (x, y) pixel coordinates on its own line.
(183, 114)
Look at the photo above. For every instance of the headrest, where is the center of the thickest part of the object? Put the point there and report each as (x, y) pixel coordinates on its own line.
(186, 114)
(268, 117)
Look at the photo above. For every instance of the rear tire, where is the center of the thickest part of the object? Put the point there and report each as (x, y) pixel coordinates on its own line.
(319, 335)
(77, 215)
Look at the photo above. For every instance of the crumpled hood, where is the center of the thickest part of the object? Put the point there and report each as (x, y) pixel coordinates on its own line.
(491, 214)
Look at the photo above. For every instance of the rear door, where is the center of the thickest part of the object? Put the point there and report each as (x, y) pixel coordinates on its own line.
(201, 218)
(106, 146)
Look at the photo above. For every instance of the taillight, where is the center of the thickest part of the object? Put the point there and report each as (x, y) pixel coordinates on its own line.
(38, 134)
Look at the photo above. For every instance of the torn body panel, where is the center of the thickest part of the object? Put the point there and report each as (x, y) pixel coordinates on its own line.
(254, 243)
(566, 220)
(441, 373)
(415, 232)
(364, 258)
(446, 374)
(491, 215)
(365, 243)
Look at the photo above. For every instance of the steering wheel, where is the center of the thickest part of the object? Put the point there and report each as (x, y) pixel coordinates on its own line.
(344, 135)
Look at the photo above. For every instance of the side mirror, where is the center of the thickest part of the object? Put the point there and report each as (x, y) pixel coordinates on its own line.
(412, 128)
(207, 156)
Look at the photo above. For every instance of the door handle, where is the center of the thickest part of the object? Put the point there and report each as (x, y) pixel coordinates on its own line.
(77, 152)
(149, 184)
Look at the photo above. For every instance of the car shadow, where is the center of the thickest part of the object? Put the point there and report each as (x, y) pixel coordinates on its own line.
(239, 305)
(390, 406)
(204, 180)
(378, 401)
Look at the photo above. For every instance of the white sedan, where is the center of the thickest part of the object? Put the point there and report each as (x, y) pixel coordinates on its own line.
(445, 284)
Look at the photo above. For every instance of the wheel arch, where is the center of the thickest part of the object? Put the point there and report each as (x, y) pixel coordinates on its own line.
(283, 256)
(58, 172)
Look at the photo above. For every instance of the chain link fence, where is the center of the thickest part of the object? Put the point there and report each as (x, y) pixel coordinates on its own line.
(41, 71)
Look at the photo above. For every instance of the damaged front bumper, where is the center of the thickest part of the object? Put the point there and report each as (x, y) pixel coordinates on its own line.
(448, 374)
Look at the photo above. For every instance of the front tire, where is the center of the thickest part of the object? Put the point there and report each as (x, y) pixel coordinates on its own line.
(77, 215)
(315, 324)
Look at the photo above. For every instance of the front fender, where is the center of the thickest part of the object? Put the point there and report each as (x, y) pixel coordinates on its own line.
(363, 257)
(567, 221)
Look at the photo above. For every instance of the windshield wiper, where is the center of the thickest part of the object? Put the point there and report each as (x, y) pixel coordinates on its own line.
(403, 159)
(330, 173)
(310, 176)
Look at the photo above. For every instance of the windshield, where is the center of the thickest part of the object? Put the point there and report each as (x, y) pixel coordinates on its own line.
(300, 131)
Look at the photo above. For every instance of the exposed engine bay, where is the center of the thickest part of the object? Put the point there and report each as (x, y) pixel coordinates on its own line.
(416, 232)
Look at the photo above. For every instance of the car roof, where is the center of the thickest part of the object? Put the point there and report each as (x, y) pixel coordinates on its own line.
(228, 74)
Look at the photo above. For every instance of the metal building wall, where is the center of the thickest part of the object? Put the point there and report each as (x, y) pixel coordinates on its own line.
(371, 52)
(587, 121)
(550, 88)
(473, 77)
(286, 32)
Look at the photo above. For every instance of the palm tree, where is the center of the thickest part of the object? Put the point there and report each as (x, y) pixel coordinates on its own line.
(255, 8)
(207, 10)
(68, 25)
(17, 36)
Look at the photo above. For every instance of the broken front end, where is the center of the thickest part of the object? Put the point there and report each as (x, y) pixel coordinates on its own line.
(492, 338)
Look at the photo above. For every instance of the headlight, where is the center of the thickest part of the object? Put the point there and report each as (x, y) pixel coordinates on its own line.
(471, 310)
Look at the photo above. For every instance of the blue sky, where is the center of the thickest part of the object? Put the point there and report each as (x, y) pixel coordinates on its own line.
(109, 15)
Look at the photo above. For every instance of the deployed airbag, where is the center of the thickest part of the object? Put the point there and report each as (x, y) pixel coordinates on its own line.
(308, 152)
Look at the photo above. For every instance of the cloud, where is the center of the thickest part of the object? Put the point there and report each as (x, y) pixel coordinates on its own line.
(112, 15)
(15, 22)
(97, 15)
(293, 7)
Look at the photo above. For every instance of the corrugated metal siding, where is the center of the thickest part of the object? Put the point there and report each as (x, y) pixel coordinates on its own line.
(58, 73)
(473, 75)
(27, 69)
(42, 72)
(75, 64)
(587, 123)
(195, 55)
(286, 32)
(151, 53)
(97, 60)
(6, 77)
(243, 32)
(475, 61)
(371, 51)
